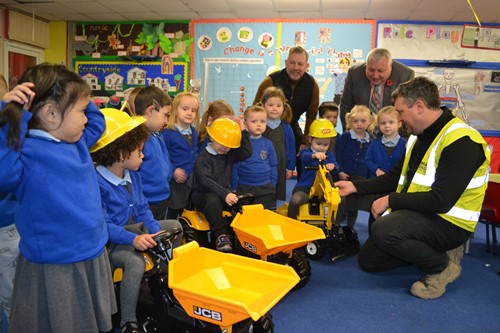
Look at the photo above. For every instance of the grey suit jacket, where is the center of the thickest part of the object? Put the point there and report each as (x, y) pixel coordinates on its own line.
(357, 87)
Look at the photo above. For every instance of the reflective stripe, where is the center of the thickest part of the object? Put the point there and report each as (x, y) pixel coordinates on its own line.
(463, 214)
(478, 181)
(401, 180)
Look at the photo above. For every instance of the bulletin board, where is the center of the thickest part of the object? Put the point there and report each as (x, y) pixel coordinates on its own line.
(115, 57)
(110, 81)
(468, 78)
(232, 57)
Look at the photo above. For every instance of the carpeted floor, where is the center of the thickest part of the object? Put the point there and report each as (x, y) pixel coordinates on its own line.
(341, 297)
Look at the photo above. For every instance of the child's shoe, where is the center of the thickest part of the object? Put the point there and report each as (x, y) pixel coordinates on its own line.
(223, 243)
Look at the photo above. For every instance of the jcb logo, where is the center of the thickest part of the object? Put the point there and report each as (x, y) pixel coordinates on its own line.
(207, 313)
(250, 247)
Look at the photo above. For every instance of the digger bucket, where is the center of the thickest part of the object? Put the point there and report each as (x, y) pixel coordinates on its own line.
(224, 289)
(265, 232)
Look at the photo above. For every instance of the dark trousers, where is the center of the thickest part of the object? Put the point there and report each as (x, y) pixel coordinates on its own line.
(407, 237)
(212, 206)
(263, 194)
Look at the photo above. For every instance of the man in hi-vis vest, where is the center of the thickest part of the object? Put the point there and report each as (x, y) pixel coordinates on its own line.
(435, 193)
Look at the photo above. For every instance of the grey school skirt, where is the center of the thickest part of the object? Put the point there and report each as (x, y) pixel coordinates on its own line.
(55, 298)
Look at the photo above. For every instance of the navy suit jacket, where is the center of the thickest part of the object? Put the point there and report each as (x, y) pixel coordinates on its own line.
(357, 87)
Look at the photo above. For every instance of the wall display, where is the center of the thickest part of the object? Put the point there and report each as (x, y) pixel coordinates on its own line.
(431, 41)
(474, 94)
(233, 57)
(136, 40)
(482, 37)
(468, 77)
(112, 81)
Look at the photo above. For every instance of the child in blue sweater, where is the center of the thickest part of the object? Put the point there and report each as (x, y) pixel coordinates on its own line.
(47, 127)
(350, 151)
(257, 174)
(131, 226)
(156, 170)
(320, 133)
(386, 150)
(181, 139)
(212, 175)
(279, 131)
(9, 238)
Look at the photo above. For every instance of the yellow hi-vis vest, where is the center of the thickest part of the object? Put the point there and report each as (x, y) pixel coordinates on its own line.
(465, 212)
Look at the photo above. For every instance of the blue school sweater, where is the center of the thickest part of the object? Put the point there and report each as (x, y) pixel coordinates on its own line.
(306, 178)
(260, 168)
(182, 155)
(378, 158)
(156, 169)
(350, 154)
(120, 205)
(8, 208)
(60, 217)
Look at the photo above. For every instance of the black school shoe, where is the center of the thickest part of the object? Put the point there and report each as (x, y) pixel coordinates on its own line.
(345, 244)
(131, 327)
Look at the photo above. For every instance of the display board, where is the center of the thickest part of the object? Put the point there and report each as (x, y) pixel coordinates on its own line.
(111, 81)
(468, 77)
(431, 41)
(237, 55)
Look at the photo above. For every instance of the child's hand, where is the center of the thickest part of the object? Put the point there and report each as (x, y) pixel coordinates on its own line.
(330, 166)
(289, 174)
(21, 94)
(238, 121)
(379, 172)
(231, 199)
(180, 175)
(319, 156)
(143, 242)
(343, 176)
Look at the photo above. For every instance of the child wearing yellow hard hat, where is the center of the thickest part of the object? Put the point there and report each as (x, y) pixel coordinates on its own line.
(212, 175)
(320, 133)
(131, 225)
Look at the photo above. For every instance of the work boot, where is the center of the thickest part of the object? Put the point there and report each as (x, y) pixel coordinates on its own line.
(434, 285)
(456, 254)
(345, 246)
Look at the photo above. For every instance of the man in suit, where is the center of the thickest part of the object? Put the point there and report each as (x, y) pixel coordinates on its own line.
(372, 83)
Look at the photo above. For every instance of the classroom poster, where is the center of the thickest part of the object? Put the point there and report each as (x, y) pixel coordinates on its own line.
(233, 57)
(468, 77)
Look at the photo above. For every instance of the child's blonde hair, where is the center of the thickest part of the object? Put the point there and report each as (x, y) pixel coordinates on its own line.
(177, 100)
(253, 109)
(359, 110)
(216, 109)
(272, 91)
(388, 110)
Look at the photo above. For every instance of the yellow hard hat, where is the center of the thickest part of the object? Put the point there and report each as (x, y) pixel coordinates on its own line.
(225, 132)
(322, 128)
(117, 124)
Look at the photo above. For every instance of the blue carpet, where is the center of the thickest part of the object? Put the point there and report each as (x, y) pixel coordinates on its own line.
(341, 297)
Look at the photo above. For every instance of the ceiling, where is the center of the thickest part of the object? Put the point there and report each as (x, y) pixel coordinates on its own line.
(488, 11)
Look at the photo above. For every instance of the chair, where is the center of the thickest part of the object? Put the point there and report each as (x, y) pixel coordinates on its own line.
(490, 212)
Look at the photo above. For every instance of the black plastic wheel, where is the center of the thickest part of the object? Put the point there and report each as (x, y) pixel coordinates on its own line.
(315, 250)
(302, 267)
(264, 325)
